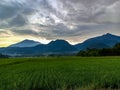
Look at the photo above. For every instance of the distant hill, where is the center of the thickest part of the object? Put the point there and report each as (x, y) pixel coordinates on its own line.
(59, 47)
(105, 41)
(26, 43)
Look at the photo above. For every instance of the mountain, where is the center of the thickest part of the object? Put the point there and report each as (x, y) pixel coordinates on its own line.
(104, 41)
(57, 47)
(60, 46)
(26, 43)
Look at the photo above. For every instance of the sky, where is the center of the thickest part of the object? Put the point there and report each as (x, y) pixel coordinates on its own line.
(46, 20)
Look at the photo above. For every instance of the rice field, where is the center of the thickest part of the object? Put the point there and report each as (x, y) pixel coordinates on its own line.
(60, 73)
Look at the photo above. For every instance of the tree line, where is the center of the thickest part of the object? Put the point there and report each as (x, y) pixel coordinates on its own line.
(4, 56)
(114, 51)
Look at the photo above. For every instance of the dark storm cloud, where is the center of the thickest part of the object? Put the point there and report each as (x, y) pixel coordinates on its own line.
(7, 11)
(18, 20)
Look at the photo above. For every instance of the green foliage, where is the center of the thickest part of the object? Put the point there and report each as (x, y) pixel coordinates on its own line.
(115, 51)
(63, 73)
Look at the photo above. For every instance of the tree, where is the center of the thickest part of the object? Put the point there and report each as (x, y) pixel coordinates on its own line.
(3, 56)
(114, 51)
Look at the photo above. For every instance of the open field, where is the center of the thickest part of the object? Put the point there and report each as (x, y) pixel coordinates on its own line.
(60, 73)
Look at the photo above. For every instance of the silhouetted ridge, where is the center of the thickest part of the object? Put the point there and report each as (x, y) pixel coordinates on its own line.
(59, 47)
(59, 42)
(26, 43)
(105, 41)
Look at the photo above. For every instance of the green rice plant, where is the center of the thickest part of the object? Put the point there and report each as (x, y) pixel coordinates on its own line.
(60, 73)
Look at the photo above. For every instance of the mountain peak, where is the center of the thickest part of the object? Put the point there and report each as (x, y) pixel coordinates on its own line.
(108, 34)
(29, 41)
(26, 43)
(59, 41)
(103, 41)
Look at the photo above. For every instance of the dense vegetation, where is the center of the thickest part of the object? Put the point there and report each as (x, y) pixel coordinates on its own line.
(115, 51)
(63, 73)
(3, 56)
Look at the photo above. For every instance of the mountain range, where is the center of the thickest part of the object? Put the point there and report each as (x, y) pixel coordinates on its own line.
(58, 47)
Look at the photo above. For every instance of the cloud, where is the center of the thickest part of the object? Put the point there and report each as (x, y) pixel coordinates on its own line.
(48, 11)
(7, 11)
(5, 34)
(18, 20)
(52, 19)
(26, 32)
(111, 14)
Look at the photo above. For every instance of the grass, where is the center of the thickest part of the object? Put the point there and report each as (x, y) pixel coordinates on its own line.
(60, 73)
